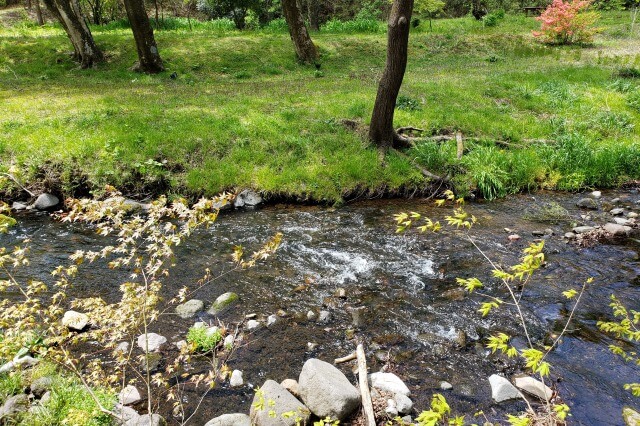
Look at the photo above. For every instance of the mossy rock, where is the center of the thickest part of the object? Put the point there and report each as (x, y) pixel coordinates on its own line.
(223, 302)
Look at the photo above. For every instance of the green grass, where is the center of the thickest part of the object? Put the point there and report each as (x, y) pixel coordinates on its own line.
(242, 112)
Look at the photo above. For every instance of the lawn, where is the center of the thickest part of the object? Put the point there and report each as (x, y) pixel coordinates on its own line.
(243, 113)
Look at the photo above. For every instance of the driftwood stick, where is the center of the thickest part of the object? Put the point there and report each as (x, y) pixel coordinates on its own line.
(367, 405)
(345, 358)
(460, 144)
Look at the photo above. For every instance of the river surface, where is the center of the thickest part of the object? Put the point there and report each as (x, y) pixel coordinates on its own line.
(411, 309)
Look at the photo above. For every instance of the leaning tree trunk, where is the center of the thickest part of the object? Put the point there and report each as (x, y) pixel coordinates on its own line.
(68, 14)
(305, 49)
(381, 131)
(148, 57)
(39, 18)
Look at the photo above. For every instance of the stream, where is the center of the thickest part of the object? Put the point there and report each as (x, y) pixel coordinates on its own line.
(412, 316)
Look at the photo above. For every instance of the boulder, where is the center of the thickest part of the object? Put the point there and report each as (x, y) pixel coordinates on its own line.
(237, 419)
(534, 387)
(13, 405)
(46, 202)
(403, 403)
(125, 415)
(617, 230)
(236, 379)
(154, 341)
(630, 416)
(75, 320)
(502, 389)
(129, 395)
(326, 391)
(389, 382)
(271, 402)
(189, 308)
(247, 198)
(40, 386)
(223, 302)
(587, 203)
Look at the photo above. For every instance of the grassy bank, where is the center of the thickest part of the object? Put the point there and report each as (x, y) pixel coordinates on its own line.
(241, 112)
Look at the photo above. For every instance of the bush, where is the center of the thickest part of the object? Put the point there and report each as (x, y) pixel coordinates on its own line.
(567, 23)
(203, 338)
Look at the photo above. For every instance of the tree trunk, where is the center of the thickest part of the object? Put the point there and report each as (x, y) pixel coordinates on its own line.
(68, 14)
(305, 49)
(39, 18)
(313, 10)
(148, 57)
(381, 131)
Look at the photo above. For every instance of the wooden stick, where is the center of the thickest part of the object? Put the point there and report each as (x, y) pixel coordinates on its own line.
(460, 144)
(367, 405)
(345, 358)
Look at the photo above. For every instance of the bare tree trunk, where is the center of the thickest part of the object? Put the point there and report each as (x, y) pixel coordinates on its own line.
(28, 4)
(148, 57)
(313, 11)
(39, 18)
(68, 14)
(305, 49)
(381, 131)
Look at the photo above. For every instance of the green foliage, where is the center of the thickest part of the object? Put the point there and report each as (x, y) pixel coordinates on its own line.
(408, 104)
(202, 339)
(633, 100)
(628, 72)
(6, 222)
(354, 27)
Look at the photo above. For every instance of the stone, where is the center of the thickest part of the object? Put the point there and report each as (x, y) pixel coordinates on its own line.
(275, 398)
(358, 316)
(446, 386)
(271, 319)
(617, 211)
(311, 346)
(40, 386)
(324, 317)
(46, 398)
(181, 344)
(13, 405)
(583, 229)
(236, 379)
(534, 387)
(502, 389)
(228, 341)
(125, 415)
(326, 391)
(153, 340)
(223, 302)
(616, 200)
(237, 419)
(247, 198)
(212, 331)
(75, 320)
(403, 403)
(391, 410)
(189, 308)
(340, 292)
(129, 395)
(292, 386)
(311, 315)
(569, 235)
(147, 420)
(537, 233)
(632, 215)
(252, 324)
(549, 231)
(617, 230)
(46, 202)
(622, 221)
(596, 194)
(513, 237)
(123, 347)
(630, 416)
(17, 206)
(408, 420)
(25, 361)
(389, 382)
(587, 203)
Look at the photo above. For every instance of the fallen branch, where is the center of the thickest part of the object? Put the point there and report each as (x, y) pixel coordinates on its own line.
(408, 129)
(367, 405)
(17, 183)
(347, 358)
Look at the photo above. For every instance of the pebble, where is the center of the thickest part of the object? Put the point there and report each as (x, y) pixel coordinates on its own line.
(129, 395)
(632, 215)
(271, 319)
(252, 324)
(513, 237)
(236, 379)
(228, 341)
(311, 346)
(311, 315)
(153, 340)
(446, 386)
(569, 235)
(617, 212)
(324, 317)
(75, 320)
(596, 194)
(583, 229)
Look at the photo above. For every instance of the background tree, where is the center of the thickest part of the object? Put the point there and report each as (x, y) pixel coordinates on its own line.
(430, 8)
(305, 49)
(148, 56)
(381, 131)
(68, 13)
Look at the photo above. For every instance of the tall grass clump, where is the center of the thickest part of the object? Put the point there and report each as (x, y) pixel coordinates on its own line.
(354, 26)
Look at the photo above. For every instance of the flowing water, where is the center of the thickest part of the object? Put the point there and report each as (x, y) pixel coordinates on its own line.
(410, 309)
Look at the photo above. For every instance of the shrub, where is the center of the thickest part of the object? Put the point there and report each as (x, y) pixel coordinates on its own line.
(567, 23)
(203, 339)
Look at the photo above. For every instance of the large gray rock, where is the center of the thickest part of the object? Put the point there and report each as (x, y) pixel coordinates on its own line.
(46, 202)
(40, 386)
(271, 402)
(389, 382)
(403, 403)
(237, 419)
(617, 230)
(292, 386)
(534, 387)
(12, 406)
(125, 415)
(326, 391)
(189, 308)
(223, 302)
(129, 395)
(587, 203)
(502, 389)
(147, 420)
(247, 198)
(75, 320)
(154, 341)
(583, 229)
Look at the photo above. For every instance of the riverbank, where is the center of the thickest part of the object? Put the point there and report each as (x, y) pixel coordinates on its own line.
(241, 113)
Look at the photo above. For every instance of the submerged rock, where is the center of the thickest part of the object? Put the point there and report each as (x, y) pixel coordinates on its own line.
(153, 340)
(326, 391)
(534, 387)
(502, 389)
(617, 230)
(223, 302)
(189, 308)
(237, 419)
(271, 402)
(587, 203)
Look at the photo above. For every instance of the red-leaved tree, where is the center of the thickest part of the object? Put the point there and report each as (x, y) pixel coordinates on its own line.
(567, 22)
